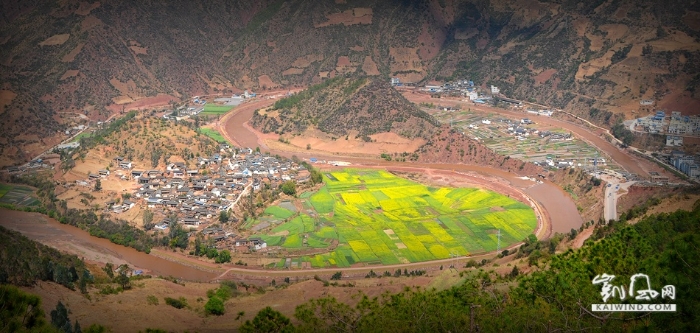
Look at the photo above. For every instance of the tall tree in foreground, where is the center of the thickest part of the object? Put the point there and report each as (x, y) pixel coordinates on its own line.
(59, 318)
(268, 321)
(20, 311)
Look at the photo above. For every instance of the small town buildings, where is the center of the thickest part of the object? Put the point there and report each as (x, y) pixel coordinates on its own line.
(674, 140)
(125, 165)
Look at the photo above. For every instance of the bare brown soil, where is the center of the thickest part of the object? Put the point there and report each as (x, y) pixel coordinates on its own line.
(266, 82)
(55, 40)
(544, 76)
(671, 204)
(85, 8)
(144, 103)
(69, 73)
(348, 17)
(6, 97)
(130, 311)
(369, 66)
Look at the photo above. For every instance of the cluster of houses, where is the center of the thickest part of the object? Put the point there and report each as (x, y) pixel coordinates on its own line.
(674, 125)
(546, 113)
(552, 163)
(463, 88)
(198, 193)
(687, 164)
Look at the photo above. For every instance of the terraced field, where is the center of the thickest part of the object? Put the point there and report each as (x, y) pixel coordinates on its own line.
(375, 217)
(17, 195)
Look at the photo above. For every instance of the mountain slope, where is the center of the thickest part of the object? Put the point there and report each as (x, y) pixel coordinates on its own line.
(76, 57)
(73, 56)
(342, 105)
(604, 54)
(363, 107)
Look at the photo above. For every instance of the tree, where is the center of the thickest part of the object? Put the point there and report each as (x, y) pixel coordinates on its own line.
(224, 256)
(178, 236)
(224, 216)
(268, 320)
(95, 328)
(215, 306)
(20, 311)
(289, 187)
(515, 272)
(337, 276)
(98, 185)
(109, 269)
(147, 219)
(212, 253)
(59, 318)
(316, 177)
(308, 146)
(122, 279)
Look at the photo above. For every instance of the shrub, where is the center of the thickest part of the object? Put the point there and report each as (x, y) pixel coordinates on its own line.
(223, 256)
(176, 303)
(223, 293)
(152, 300)
(215, 306)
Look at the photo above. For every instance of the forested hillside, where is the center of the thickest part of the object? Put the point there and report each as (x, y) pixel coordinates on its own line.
(24, 262)
(556, 297)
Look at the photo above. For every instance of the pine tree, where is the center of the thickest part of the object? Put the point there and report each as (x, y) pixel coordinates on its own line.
(59, 318)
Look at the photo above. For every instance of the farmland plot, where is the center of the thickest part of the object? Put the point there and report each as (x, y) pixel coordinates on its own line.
(374, 217)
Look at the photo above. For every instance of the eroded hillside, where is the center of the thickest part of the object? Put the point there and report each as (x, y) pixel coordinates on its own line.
(360, 107)
(595, 58)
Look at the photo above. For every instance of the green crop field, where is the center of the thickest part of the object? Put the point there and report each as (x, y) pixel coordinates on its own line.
(377, 217)
(4, 189)
(210, 109)
(81, 135)
(278, 212)
(214, 134)
(17, 195)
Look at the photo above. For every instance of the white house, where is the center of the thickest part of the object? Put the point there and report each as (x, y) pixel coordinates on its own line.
(673, 140)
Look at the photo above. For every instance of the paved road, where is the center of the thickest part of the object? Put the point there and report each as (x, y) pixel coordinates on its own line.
(612, 193)
(610, 208)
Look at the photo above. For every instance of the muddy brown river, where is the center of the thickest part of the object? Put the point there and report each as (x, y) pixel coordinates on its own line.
(73, 240)
(559, 206)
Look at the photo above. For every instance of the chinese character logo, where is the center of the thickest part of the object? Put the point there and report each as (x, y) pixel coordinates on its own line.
(636, 281)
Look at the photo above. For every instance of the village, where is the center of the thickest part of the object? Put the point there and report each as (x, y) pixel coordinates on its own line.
(675, 127)
(197, 196)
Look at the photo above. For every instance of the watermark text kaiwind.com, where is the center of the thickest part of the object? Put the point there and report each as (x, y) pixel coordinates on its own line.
(635, 291)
